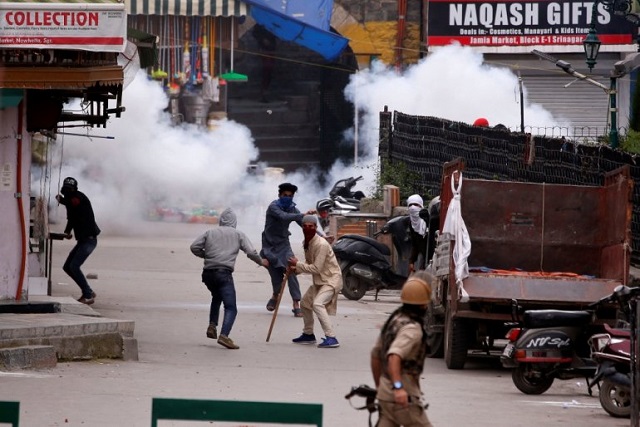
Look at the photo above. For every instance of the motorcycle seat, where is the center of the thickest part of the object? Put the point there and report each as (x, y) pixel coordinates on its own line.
(550, 318)
(384, 249)
(615, 332)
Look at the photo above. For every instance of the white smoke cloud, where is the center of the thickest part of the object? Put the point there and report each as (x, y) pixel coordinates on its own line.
(451, 83)
(149, 161)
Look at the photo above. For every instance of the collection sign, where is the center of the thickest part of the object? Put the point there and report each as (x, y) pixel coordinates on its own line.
(522, 23)
(84, 26)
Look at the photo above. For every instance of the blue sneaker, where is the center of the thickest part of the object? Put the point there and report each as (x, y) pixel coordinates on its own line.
(305, 339)
(329, 342)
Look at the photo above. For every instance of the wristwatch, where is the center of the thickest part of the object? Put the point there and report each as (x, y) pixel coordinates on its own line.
(397, 385)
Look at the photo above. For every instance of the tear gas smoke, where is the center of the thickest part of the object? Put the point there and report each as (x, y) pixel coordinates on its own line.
(451, 83)
(151, 163)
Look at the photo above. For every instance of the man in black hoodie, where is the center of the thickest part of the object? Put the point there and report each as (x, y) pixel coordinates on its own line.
(81, 221)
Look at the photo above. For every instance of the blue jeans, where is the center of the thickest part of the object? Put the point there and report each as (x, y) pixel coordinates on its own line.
(277, 274)
(220, 284)
(76, 258)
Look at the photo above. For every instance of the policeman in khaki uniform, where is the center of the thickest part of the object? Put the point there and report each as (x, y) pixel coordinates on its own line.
(398, 356)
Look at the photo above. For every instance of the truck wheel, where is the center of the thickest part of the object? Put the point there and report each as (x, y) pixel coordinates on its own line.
(435, 340)
(528, 382)
(353, 288)
(456, 342)
(615, 400)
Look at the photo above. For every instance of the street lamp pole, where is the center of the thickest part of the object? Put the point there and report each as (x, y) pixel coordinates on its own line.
(591, 45)
(613, 111)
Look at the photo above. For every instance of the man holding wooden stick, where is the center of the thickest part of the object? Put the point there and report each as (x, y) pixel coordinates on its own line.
(322, 296)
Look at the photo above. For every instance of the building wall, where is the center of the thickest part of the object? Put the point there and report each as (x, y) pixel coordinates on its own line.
(372, 27)
(12, 252)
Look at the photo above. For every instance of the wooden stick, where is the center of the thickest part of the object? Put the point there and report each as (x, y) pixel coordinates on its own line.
(275, 312)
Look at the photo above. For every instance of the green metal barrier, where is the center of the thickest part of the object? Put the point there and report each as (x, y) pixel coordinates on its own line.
(10, 413)
(232, 410)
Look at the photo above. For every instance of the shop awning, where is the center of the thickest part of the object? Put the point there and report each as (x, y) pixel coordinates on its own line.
(186, 7)
(72, 78)
(288, 27)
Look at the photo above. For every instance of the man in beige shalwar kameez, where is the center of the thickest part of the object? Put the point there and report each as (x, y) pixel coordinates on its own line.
(322, 296)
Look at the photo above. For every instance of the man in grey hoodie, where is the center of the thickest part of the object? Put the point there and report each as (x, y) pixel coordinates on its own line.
(219, 247)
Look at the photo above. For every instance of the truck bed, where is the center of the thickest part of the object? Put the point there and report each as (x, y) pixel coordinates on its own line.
(548, 289)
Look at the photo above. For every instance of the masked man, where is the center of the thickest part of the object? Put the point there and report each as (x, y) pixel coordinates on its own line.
(276, 247)
(419, 234)
(322, 296)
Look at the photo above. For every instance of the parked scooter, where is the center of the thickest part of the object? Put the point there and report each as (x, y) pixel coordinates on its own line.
(549, 344)
(365, 262)
(612, 351)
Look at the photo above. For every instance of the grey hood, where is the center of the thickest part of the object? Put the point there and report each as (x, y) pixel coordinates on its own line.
(228, 218)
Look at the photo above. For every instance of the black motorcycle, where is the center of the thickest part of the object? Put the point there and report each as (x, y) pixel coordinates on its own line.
(366, 262)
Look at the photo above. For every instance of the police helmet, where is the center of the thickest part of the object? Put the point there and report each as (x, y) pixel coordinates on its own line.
(417, 289)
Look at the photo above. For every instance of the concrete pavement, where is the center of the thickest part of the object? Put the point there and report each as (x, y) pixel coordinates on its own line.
(155, 282)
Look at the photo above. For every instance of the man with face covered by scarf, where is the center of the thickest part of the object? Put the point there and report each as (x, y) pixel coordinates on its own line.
(419, 234)
(322, 296)
(276, 247)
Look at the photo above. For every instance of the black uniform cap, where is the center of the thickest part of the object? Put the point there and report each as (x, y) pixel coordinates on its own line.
(287, 186)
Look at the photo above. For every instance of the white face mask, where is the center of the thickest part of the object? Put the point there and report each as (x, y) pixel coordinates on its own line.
(417, 223)
(414, 211)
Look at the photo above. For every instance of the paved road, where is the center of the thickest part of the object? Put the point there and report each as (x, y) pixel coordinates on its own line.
(155, 281)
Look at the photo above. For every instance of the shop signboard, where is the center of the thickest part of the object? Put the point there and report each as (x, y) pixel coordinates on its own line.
(522, 23)
(99, 27)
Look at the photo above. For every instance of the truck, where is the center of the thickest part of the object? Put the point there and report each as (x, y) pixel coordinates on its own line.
(545, 246)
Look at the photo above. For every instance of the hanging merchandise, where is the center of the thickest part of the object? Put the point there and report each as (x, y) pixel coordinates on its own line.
(194, 51)
(232, 76)
(186, 63)
(198, 72)
(205, 57)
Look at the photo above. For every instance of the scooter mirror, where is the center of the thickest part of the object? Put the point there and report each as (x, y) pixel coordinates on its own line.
(622, 290)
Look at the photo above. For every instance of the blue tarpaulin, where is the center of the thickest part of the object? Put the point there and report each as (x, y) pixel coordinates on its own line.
(316, 13)
(305, 22)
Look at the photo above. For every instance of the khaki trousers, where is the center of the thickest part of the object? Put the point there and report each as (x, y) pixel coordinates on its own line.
(314, 301)
(393, 415)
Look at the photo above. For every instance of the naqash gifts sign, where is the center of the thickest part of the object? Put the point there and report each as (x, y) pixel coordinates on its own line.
(522, 23)
(85, 26)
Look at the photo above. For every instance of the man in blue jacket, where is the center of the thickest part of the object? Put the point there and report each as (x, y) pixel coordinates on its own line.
(276, 246)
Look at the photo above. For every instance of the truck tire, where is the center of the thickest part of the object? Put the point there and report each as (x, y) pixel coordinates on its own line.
(435, 340)
(615, 400)
(456, 342)
(353, 287)
(527, 383)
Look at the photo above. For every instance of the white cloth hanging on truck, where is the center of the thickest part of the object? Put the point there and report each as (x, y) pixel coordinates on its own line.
(455, 226)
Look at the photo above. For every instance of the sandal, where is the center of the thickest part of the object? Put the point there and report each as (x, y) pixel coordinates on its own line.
(297, 312)
(271, 304)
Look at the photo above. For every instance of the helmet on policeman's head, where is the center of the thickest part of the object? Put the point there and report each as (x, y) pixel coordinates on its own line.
(417, 289)
(324, 204)
(70, 183)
